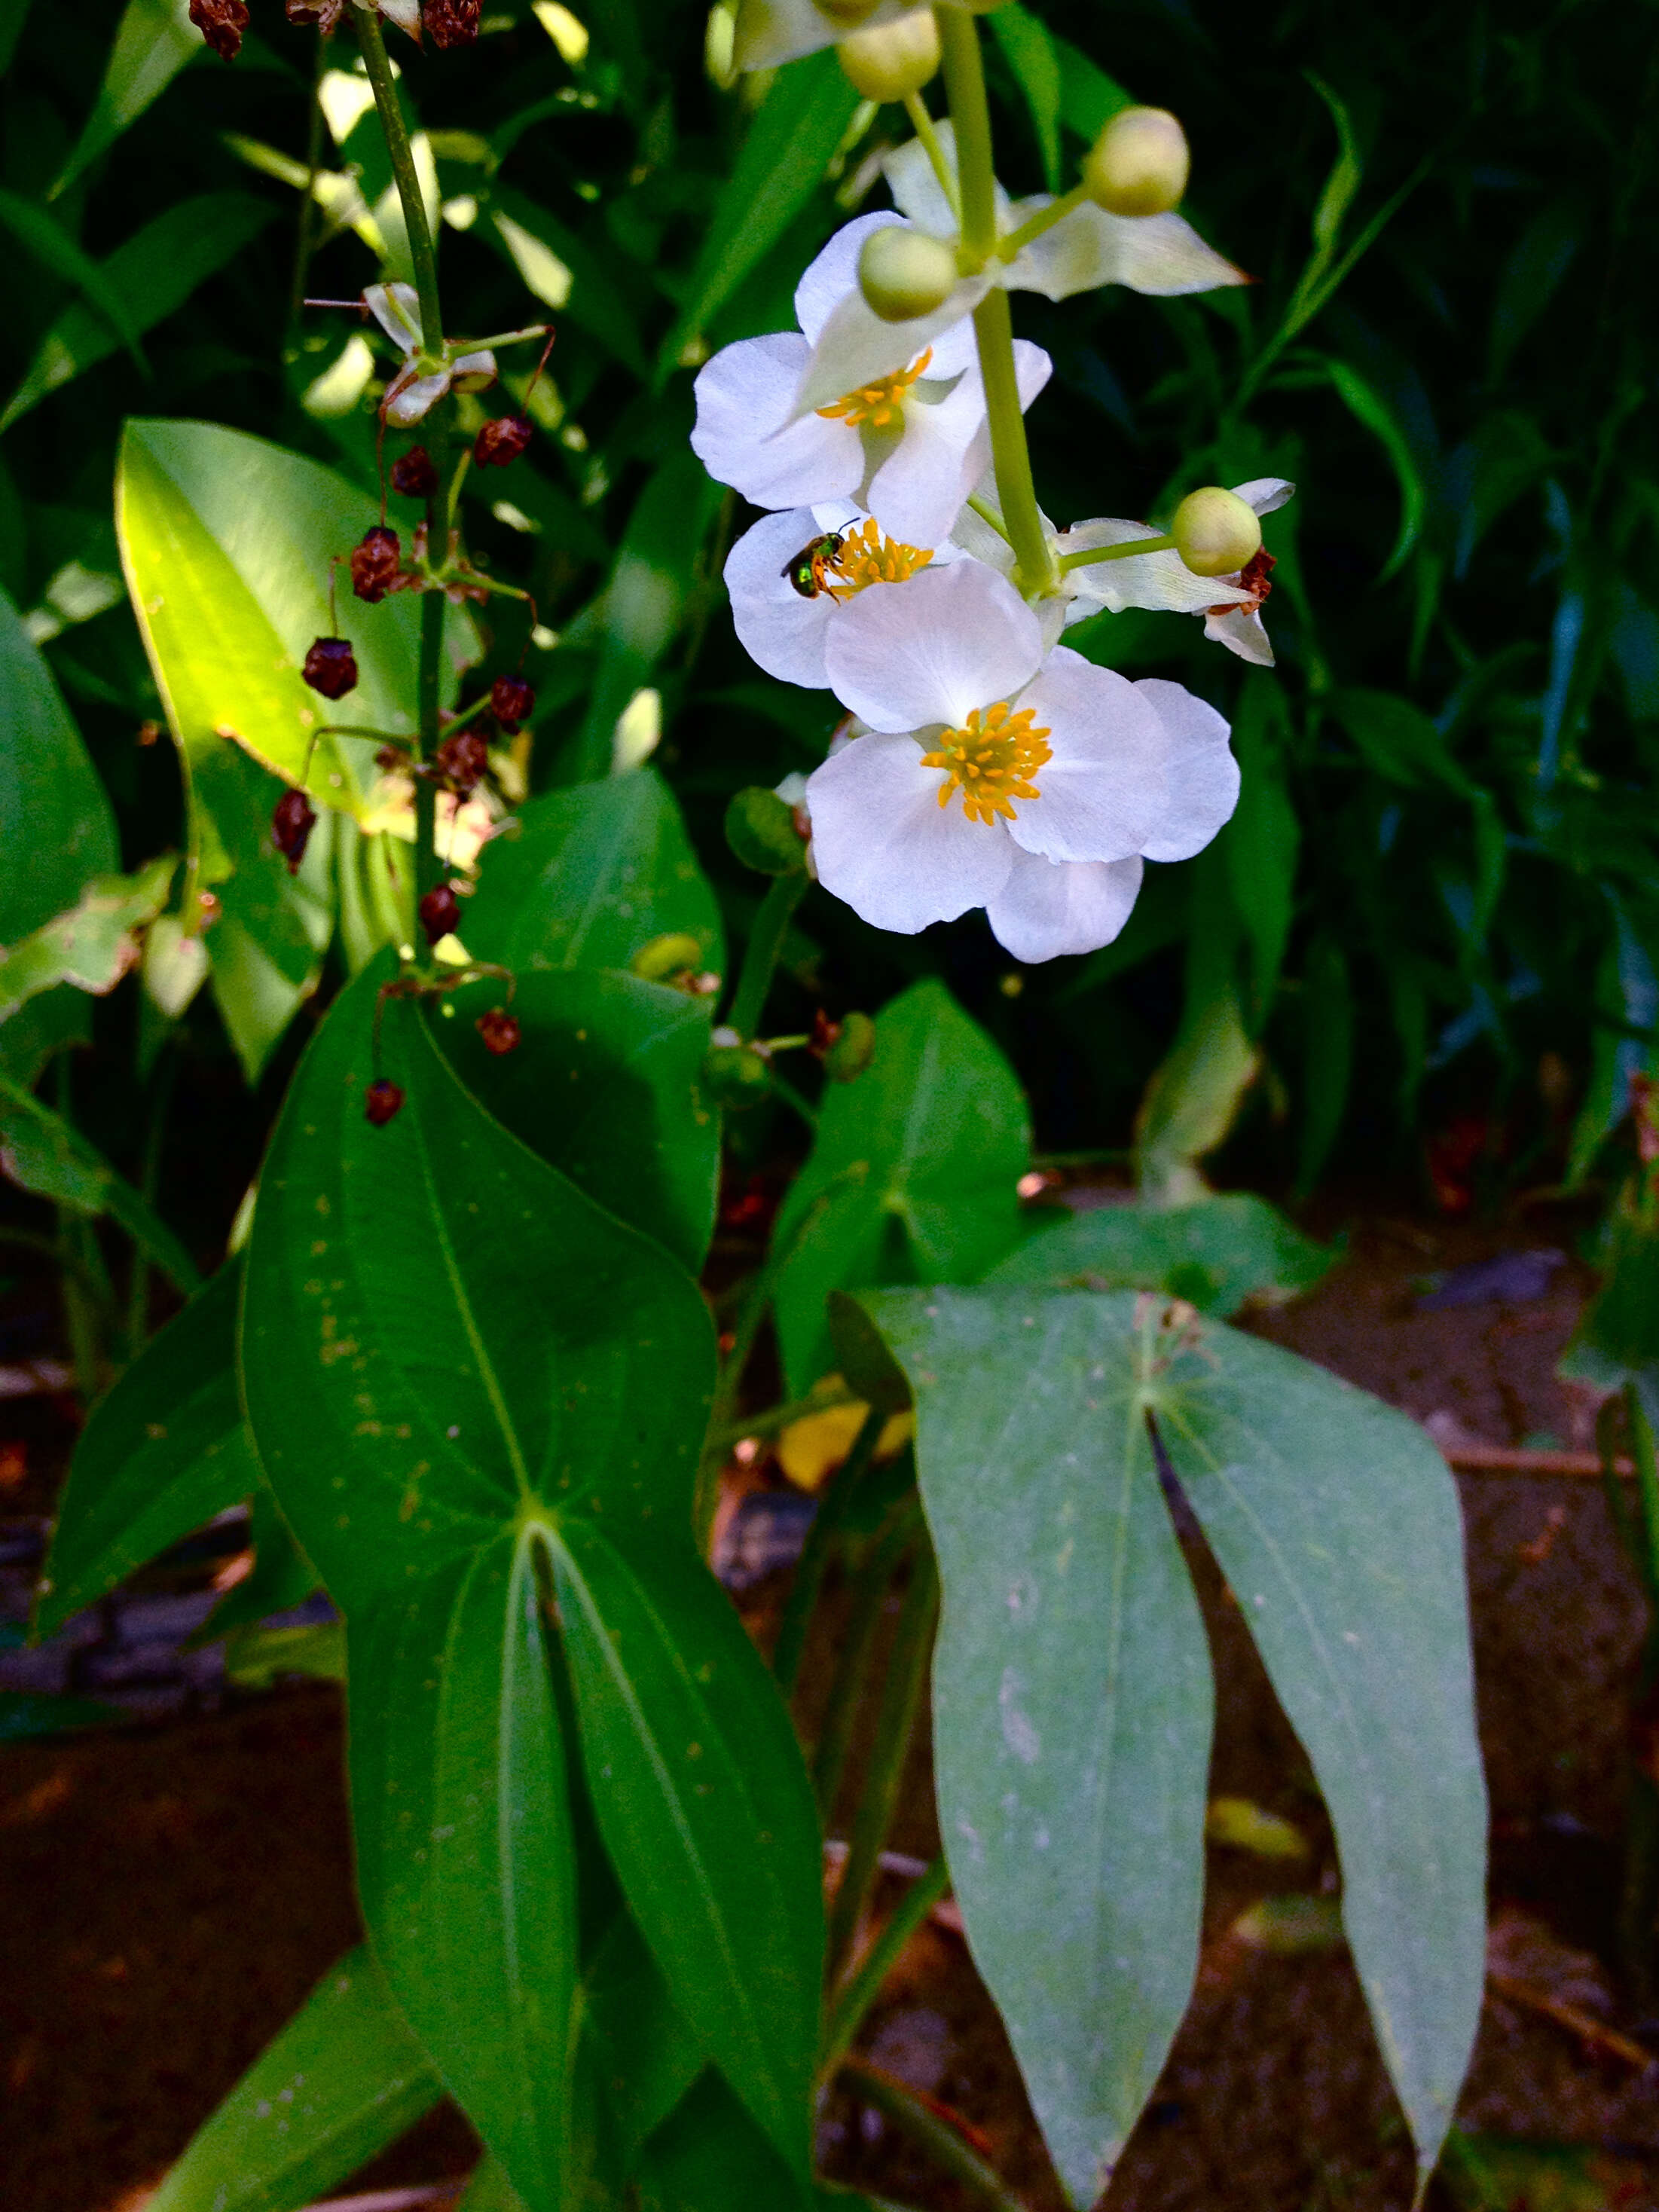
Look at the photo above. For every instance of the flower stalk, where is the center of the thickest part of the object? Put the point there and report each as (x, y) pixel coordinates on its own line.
(422, 253)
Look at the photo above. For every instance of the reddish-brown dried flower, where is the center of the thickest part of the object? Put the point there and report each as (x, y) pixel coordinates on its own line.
(381, 1101)
(452, 22)
(331, 667)
(499, 1029)
(221, 23)
(512, 701)
(825, 1034)
(414, 474)
(502, 440)
(460, 761)
(291, 825)
(439, 912)
(374, 564)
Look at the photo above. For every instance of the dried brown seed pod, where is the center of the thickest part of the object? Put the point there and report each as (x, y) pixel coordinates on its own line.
(331, 667)
(460, 761)
(502, 440)
(381, 1101)
(414, 474)
(221, 23)
(291, 824)
(439, 912)
(499, 1029)
(512, 701)
(452, 22)
(324, 14)
(374, 564)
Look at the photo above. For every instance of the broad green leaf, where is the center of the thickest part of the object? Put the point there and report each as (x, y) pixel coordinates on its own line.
(465, 1860)
(155, 39)
(164, 1452)
(91, 946)
(647, 2054)
(604, 1084)
(701, 1797)
(1030, 52)
(41, 235)
(912, 1176)
(710, 2157)
(152, 274)
(593, 874)
(56, 831)
(1089, 98)
(41, 1152)
(802, 121)
(227, 541)
(1336, 1523)
(343, 2079)
(1071, 1695)
(1192, 1101)
(1215, 1254)
(454, 1361)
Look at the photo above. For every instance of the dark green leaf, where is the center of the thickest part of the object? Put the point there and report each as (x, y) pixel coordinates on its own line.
(1215, 1254)
(1328, 1028)
(1261, 842)
(1398, 740)
(41, 1152)
(1089, 98)
(162, 1454)
(42, 236)
(594, 875)
(913, 1177)
(604, 1084)
(592, 298)
(646, 2052)
(155, 39)
(1071, 1696)
(710, 2157)
(801, 122)
(1030, 52)
(343, 2079)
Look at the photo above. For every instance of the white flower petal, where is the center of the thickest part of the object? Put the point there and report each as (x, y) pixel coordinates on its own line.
(743, 398)
(918, 492)
(835, 273)
(472, 371)
(406, 13)
(1141, 580)
(397, 309)
(916, 190)
(1201, 774)
(882, 841)
(855, 347)
(1240, 629)
(1104, 790)
(415, 399)
(779, 629)
(1159, 255)
(927, 653)
(1264, 494)
(771, 32)
(1049, 907)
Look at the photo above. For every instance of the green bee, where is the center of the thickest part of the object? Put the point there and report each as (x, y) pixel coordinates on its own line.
(805, 570)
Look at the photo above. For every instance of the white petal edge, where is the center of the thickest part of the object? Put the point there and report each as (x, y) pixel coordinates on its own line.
(1104, 788)
(1048, 908)
(1202, 776)
(743, 398)
(1240, 630)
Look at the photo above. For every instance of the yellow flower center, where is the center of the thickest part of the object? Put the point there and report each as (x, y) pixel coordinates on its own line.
(867, 557)
(991, 760)
(882, 404)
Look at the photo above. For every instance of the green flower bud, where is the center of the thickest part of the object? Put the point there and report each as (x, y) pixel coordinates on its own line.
(760, 828)
(904, 272)
(892, 60)
(853, 1050)
(666, 955)
(736, 1076)
(1215, 531)
(1138, 164)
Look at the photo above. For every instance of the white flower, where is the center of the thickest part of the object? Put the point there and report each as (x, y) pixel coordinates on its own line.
(992, 776)
(908, 445)
(779, 626)
(771, 32)
(416, 388)
(1160, 254)
(1230, 606)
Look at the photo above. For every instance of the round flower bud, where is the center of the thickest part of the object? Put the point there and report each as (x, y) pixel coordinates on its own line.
(331, 667)
(760, 828)
(1138, 164)
(671, 955)
(892, 60)
(903, 273)
(1215, 531)
(852, 1051)
(291, 824)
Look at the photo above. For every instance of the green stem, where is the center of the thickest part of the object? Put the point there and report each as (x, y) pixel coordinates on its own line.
(987, 513)
(81, 1264)
(764, 949)
(970, 114)
(815, 1556)
(862, 1987)
(1126, 551)
(922, 123)
(878, 1794)
(869, 1596)
(924, 2127)
(405, 175)
(1037, 572)
(427, 868)
(1044, 219)
(155, 1137)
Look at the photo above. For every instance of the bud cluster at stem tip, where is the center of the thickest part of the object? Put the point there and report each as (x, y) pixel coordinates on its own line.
(892, 60)
(1138, 164)
(903, 273)
(1215, 531)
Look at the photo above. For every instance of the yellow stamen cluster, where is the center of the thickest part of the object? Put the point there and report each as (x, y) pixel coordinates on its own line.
(991, 762)
(880, 404)
(867, 557)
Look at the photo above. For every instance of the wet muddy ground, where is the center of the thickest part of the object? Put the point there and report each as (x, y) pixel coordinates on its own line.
(169, 1893)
